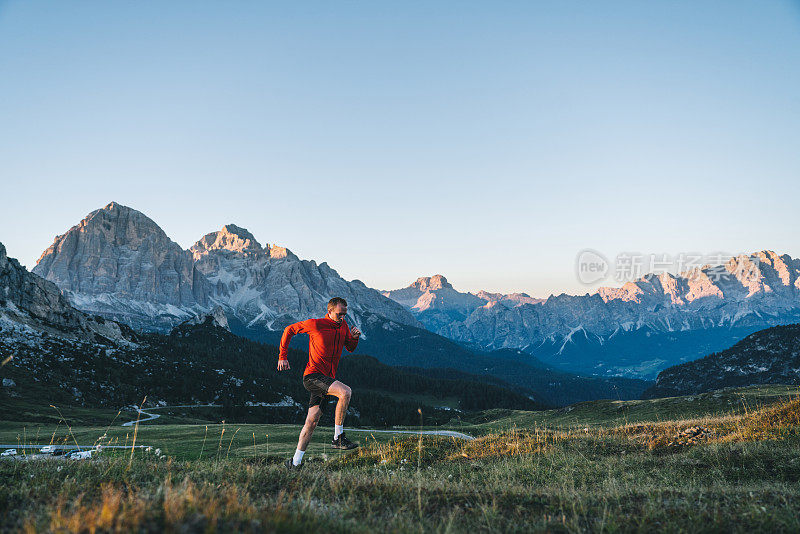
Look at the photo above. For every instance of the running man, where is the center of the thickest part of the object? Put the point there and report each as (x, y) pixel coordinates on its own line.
(327, 336)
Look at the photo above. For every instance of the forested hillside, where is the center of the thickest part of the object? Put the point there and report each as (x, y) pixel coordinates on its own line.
(206, 364)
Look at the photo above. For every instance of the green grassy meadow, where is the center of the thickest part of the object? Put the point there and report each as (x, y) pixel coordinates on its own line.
(727, 461)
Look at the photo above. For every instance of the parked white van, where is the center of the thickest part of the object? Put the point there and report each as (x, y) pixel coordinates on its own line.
(9, 452)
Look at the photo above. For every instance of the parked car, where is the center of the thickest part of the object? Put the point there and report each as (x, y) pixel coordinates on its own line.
(79, 455)
(48, 449)
(9, 452)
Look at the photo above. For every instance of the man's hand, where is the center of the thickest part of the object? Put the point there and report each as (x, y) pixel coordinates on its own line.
(283, 365)
(355, 332)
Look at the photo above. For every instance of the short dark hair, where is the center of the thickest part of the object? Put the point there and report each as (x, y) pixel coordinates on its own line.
(335, 301)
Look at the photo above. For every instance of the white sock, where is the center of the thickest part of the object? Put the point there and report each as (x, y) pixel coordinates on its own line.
(298, 457)
(337, 429)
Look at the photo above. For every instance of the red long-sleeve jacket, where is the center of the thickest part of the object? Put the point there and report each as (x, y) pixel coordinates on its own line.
(326, 339)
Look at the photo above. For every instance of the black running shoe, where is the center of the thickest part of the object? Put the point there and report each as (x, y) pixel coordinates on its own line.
(343, 443)
(290, 465)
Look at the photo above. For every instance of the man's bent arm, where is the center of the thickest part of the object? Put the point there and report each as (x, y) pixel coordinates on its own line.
(297, 328)
(350, 341)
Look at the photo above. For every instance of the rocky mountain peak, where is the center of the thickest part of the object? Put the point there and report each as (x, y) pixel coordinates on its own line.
(231, 238)
(114, 211)
(508, 299)
(114, 223)
(118, 262)
(268, 287)
(436, 298)
(489, 296)
(432, 283)
(237, 240)
(240, 234)
(781, 270)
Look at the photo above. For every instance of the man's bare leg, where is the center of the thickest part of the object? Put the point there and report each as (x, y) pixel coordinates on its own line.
(308, 430)
(343, 393)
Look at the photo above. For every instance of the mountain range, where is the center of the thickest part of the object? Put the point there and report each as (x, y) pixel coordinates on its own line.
(118, 263)
(635, 330)
(62, 353)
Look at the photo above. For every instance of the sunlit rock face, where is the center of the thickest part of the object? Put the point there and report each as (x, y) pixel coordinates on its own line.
(230, 238)
(30, 304)
(117, 262)
(270, 286)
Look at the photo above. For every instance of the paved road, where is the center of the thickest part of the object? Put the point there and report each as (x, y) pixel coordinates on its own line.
(417, 432)
(152, 416)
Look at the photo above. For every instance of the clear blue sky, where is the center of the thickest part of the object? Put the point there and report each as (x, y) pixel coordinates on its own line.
(487, 141)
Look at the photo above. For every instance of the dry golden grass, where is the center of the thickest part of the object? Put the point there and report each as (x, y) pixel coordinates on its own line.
(120, 507)
(510, 443)
(773, 422)
(633, 477)
(117, 510)
(184, 499)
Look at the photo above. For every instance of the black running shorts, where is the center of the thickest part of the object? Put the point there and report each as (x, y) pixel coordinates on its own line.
(317, 384)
